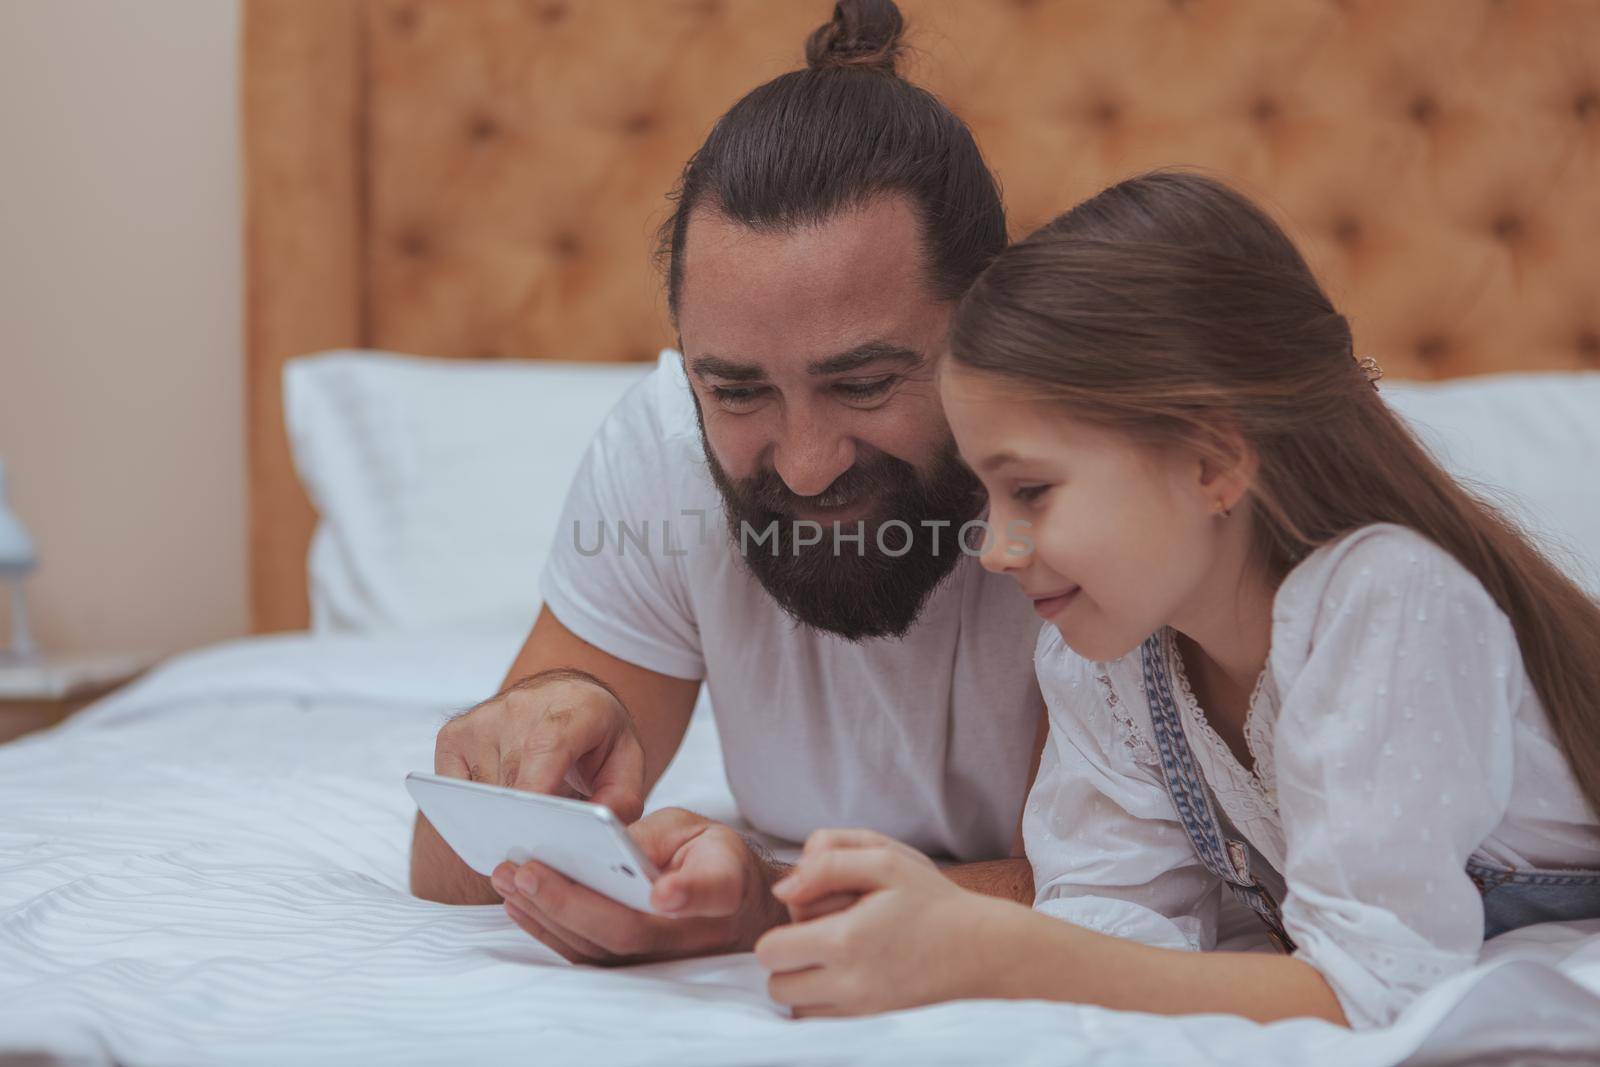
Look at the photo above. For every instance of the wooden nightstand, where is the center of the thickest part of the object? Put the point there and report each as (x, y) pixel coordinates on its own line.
(39, 693)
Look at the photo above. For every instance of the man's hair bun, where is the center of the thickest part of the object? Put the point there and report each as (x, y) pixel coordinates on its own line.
(862, 33)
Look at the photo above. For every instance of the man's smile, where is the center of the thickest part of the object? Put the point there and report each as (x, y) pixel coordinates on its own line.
(815, 510)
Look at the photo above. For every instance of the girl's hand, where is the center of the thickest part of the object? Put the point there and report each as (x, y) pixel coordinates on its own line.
(905, 935)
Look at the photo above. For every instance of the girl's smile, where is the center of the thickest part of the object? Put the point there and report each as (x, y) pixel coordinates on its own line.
(1049, 606)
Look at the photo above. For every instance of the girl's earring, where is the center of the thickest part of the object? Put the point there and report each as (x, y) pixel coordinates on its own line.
(1222, 511)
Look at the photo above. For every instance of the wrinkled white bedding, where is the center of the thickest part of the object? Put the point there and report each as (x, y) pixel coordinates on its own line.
(210, 869)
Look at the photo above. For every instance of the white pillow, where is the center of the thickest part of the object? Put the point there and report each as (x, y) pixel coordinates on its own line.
(1532, 440)
(438, 482)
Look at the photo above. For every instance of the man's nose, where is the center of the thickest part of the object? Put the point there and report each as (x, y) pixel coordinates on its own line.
(812, 454)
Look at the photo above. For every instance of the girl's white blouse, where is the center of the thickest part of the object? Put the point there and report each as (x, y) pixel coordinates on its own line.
(1394, 734)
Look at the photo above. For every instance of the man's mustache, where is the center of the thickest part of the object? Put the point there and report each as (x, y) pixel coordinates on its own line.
(767, 491)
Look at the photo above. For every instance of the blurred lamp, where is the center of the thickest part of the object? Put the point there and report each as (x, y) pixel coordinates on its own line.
(17, 561)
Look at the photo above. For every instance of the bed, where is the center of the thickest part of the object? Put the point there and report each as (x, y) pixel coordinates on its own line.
(210, 867)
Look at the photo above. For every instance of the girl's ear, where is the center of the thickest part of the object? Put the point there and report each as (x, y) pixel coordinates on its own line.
(1228, 473)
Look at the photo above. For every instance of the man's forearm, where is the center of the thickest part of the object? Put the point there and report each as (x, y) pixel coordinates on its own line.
(438, 874)
(1008, 879)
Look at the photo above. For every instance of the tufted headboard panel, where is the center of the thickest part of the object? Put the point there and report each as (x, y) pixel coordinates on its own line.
(482, 178)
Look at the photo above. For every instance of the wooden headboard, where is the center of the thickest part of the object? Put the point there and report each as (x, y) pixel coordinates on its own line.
(481, 179)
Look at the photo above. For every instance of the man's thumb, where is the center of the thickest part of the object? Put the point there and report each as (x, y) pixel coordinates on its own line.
(709, 883)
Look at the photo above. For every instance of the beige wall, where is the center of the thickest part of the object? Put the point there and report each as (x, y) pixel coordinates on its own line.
(120, 336)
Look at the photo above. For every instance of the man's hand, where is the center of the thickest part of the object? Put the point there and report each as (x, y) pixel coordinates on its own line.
(556, 727)
(714, 891)
(560, 731)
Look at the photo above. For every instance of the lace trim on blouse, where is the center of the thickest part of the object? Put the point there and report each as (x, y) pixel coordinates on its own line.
(1133, 738)
(1252, 792)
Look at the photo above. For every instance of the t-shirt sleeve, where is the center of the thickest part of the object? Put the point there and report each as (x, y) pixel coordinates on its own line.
(1103, 838)
(614, 576)
(1394, 755)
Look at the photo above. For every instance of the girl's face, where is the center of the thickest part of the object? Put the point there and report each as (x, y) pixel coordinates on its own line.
(1124, 539)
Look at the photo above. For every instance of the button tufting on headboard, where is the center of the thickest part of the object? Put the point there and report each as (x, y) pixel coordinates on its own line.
(550, 13)
(403, 18)
(566, 245)
(1588, 346)
(1104, 112)
(1264, 109)
(1347, 230)
(1508, 227)
(1424, 109)
(1431, 350)
(640, 122)
(413, 243)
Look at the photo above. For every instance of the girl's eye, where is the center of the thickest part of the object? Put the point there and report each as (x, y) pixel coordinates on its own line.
(1028, 493)
(865, 390)
(735, 399)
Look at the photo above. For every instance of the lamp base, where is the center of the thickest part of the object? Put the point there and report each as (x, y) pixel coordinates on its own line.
(22, 648)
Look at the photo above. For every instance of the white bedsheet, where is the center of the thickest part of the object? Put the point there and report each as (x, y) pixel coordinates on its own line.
(210, 868)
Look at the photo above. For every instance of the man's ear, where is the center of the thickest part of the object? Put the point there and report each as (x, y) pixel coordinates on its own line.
(1229, 470)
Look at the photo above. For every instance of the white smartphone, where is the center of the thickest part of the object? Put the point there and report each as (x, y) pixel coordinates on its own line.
(489, 824)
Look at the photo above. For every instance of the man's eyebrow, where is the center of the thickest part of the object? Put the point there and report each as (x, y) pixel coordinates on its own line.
(873, 352)
(866, 355)
(718, 367)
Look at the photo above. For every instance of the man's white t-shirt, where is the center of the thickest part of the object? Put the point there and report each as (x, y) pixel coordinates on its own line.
(927, 738)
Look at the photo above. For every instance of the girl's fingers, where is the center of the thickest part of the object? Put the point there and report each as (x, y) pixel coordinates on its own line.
(804, 991)
(816, 909)
(800, 946)
(823, 840)
(840, 870)
(825, 1011)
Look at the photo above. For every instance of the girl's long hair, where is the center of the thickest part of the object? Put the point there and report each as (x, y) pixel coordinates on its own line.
(1171, 308)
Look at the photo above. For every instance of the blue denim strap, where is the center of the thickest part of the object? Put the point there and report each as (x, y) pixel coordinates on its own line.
(1516, 898)
(1225, 857)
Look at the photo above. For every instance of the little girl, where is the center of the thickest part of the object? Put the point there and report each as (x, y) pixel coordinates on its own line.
(1287, 657)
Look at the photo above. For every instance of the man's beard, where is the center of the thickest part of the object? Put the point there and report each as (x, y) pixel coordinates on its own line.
(845, 587)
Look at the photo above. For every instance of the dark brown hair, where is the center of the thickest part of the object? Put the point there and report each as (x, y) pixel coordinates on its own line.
(847, 128)
(1171, 308)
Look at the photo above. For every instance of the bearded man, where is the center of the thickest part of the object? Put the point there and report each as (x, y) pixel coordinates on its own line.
(781, 516)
